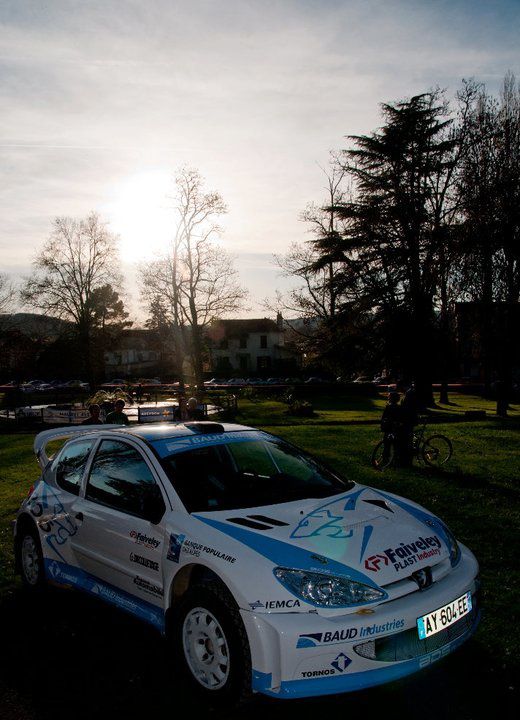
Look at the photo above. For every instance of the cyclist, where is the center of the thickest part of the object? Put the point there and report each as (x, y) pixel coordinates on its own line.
(410, 418)
(392, 427)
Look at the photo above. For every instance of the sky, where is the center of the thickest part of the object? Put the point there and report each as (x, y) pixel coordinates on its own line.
(102, 101)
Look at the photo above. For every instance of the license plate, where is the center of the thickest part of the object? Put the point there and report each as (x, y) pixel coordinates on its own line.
(444, 616)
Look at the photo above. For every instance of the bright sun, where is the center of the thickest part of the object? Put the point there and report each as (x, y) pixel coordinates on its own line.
(141, 214)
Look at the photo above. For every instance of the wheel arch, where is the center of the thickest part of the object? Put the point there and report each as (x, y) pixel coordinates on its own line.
(188, 576)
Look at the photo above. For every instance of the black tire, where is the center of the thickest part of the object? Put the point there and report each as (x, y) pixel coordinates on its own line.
(437, 450)
(210, 610)
(29, 557)
(383, 457)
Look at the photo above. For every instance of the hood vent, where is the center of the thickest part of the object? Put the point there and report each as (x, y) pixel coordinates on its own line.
(380, 503)
(270, 521)
(257, 522)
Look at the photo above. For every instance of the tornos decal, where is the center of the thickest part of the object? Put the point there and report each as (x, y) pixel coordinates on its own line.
(337, 666)
(275, 604)
(405, 554)
(341, 663)
(145, 562)
(335, 637)
(142, 539)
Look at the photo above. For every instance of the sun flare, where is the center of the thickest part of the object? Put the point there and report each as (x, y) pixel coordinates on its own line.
(141, 214)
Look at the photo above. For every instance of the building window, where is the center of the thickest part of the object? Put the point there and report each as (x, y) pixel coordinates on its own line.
(263, 341)
(224, 344)
(243, 342)
(263, 362)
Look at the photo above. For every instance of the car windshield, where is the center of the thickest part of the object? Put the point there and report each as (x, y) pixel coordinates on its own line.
(248, 474)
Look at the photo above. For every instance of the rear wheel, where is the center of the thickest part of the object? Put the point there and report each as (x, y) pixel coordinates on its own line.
(30, 558)
(211, 644)
(437, 450)
(383, 455)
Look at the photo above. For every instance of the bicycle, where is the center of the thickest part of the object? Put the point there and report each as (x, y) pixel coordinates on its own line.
(434, 450)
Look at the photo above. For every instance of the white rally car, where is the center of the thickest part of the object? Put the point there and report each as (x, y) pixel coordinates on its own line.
(266, 571)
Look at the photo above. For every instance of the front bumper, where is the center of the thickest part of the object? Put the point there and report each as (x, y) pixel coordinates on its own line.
(305, 654)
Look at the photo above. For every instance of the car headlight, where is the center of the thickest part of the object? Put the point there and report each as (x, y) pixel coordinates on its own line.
(453, 545)
(327, 590)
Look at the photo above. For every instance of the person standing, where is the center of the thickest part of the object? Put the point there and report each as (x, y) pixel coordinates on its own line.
(410, 418)
(181, 412)
(392, 427)
(194, 412)
(94, 418)
(117, 416)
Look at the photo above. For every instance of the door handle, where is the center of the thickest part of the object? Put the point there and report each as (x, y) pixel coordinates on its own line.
(79, 516)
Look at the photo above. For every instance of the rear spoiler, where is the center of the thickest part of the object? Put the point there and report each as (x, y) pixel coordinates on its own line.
(44, 438)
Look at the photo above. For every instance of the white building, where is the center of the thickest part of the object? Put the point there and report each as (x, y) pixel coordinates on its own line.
(248, 346)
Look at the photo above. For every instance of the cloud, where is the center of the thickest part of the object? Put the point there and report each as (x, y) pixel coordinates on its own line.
(252, 92)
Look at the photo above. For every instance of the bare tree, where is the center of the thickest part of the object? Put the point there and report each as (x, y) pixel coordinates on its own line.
(196, 278)
(78, 259)
(7, 293)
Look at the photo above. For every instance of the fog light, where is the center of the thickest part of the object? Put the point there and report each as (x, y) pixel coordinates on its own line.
(367, 650)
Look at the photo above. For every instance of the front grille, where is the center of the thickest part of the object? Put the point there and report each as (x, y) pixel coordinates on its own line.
(406, 645)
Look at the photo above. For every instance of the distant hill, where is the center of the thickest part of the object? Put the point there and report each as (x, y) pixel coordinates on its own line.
(34, 324)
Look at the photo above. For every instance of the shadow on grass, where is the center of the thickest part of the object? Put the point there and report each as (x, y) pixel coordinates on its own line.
(68, 655)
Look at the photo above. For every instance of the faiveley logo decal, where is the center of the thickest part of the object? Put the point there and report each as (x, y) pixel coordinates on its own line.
(142, 539)
(405, 554)
(140, 560)
(274, 604)
(335, 637)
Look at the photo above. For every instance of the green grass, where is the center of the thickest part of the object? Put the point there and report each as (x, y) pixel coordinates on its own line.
(344, 408)
(477, 493)
(18, 470)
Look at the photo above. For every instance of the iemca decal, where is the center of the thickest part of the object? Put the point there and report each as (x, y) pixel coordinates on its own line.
(275, 604)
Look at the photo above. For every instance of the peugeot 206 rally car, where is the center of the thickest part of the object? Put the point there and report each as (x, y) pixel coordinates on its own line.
(267, 571)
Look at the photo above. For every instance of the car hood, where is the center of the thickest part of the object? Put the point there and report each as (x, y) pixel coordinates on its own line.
(365, 534)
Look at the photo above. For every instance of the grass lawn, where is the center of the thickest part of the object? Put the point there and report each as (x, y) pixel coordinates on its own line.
(477, 494)
(342, 408)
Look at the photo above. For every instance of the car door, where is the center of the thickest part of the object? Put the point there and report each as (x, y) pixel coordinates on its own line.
(52, 507)
(121, 539)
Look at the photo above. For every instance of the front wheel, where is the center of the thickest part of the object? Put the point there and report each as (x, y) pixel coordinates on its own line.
(211, 645)
(437, 450)
(383, 455)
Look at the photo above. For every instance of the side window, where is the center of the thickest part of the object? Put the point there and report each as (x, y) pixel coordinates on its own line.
(69, 465)
(120, 478)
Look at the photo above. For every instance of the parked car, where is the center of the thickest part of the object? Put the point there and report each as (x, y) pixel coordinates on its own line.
(73, 384)
(269, 572)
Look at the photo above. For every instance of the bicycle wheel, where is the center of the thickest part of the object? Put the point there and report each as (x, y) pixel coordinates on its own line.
(383, 457)
(437, 450)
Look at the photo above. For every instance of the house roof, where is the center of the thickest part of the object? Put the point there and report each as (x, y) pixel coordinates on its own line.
(237, 328)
